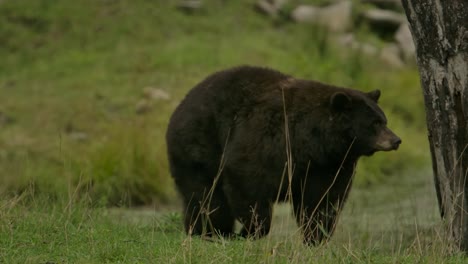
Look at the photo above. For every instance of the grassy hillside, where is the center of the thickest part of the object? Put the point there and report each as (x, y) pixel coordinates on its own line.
(75, 117)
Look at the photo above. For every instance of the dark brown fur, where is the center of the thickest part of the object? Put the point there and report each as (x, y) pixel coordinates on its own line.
(228, 150)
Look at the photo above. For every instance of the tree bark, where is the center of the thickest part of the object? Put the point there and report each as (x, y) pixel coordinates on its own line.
(440, 34)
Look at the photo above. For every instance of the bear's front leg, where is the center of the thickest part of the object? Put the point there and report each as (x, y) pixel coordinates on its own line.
(317, 223)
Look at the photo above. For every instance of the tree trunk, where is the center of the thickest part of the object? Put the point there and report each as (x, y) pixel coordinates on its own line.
(440, 33)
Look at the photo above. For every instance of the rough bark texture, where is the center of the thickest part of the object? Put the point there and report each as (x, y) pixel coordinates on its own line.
(440, 33)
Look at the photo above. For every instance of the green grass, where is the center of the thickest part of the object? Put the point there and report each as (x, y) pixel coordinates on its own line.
(394, 223)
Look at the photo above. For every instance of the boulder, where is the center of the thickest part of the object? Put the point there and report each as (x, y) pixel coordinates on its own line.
(305, 14)
(349, 41)
(383, 21)
(153, 93)
(386, 4)
(74, 133)
(190, 6)
(390, 54)
(336, 17)
(270, 7)
(404, 40)
(78, 136)
(148, 97)
(143, 106)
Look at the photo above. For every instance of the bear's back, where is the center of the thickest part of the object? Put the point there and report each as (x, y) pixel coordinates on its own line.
(207, 112)
(234, 88)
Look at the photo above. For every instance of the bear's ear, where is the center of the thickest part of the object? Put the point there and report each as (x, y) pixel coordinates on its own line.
(340, 101)
(374, 95)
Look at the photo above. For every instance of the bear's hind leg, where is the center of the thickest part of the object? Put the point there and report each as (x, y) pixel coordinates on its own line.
(256, 220)
(206, 210)
(250, 205)
(254, 213)
(219, 214)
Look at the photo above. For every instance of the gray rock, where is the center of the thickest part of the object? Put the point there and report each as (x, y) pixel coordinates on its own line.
(270, 7)
(143, 106)
(78, 136)
(386, 4)
(384, 20)
(190, 6)
(75, 134)
(336, 17)
(366, 48)
(390, 54)
(148, 96)
(155, 93)
(306, 13)
(349, 41)
(267, 8)
(404, 40)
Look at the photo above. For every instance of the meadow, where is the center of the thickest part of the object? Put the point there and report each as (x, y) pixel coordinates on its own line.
(86, 92)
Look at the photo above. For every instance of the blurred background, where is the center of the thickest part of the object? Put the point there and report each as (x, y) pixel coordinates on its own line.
(87, 87)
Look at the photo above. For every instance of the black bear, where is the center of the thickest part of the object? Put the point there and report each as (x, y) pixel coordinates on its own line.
(248, 137)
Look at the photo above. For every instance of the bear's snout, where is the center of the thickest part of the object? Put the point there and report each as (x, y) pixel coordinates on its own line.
(396, 142)
(387, 140)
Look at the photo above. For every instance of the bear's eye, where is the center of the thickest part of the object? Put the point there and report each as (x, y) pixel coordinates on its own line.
(376, 123)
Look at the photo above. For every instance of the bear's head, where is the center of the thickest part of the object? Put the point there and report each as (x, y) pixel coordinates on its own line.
(363, 122)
